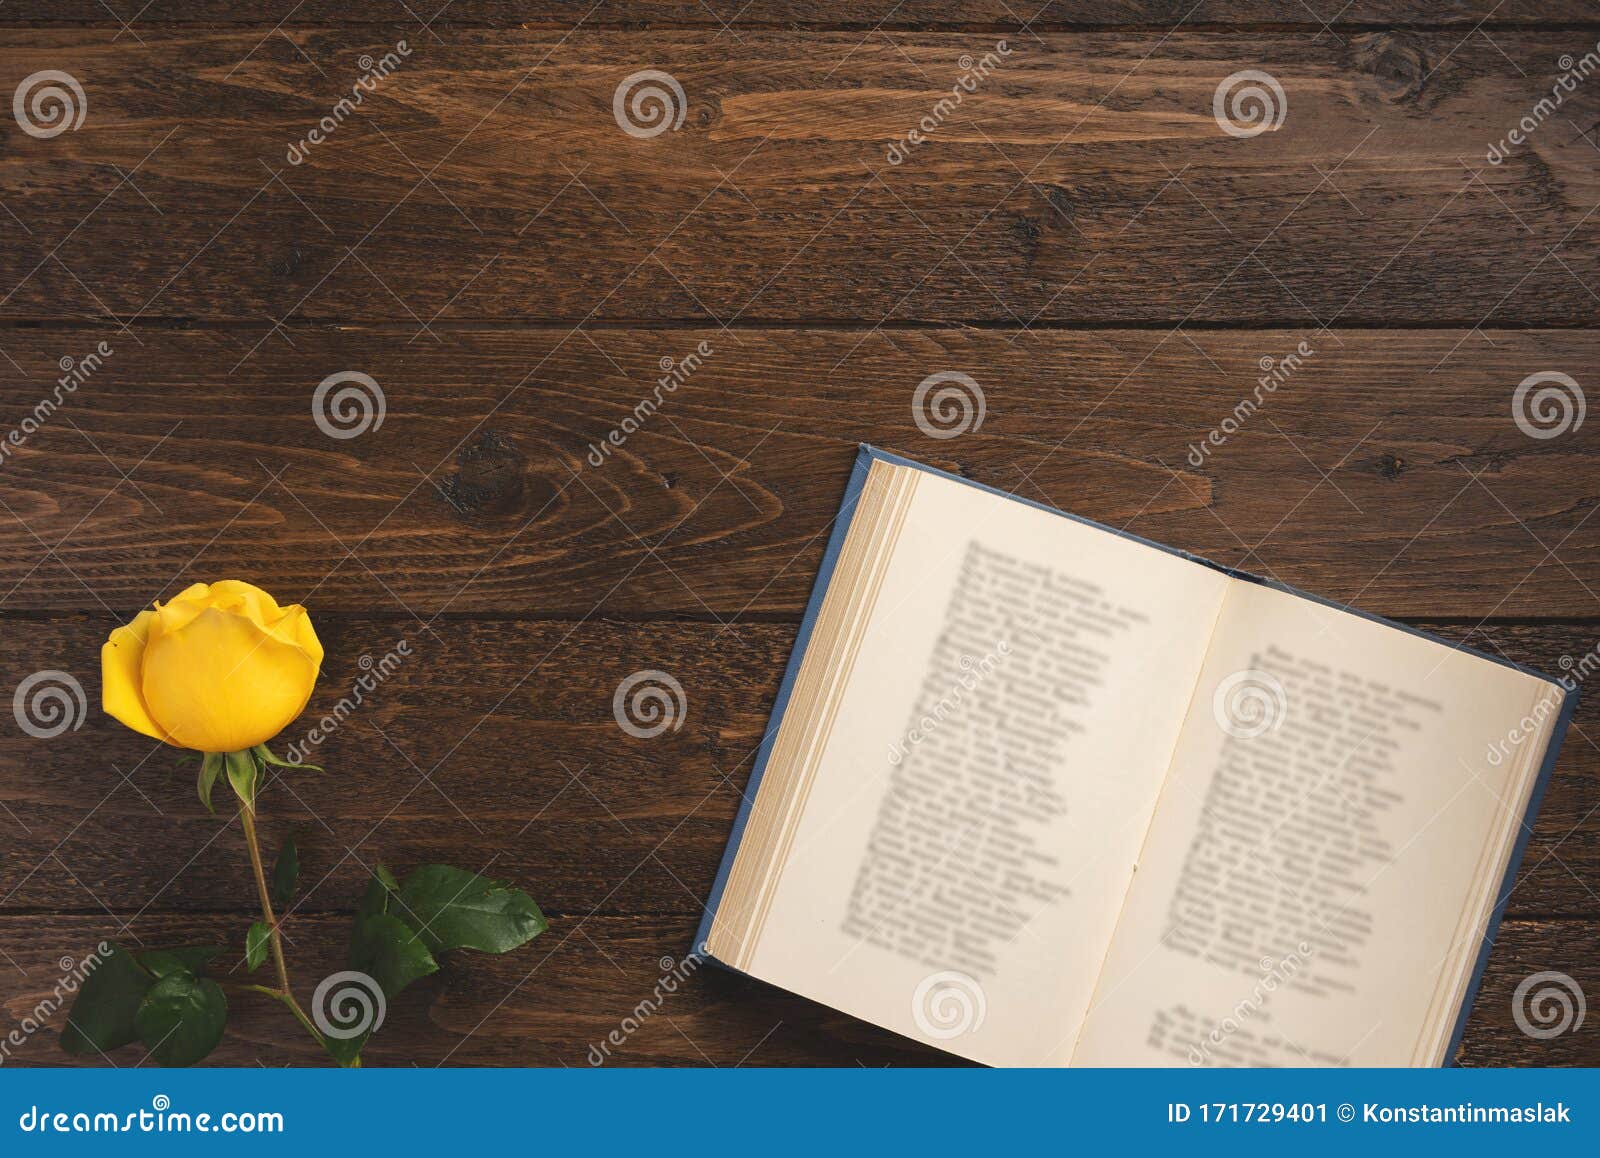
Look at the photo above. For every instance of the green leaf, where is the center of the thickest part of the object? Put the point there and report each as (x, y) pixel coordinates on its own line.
(210, 768)
(190, 959)
(376, 899)
(268, 757)
(103, 1013)
(453, 909)
(389, 951)
(181, 1018)
(285, 872)
(256, 943)
(242, 775)
(346, 1050)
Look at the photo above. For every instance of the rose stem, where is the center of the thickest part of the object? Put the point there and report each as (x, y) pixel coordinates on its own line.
(247, 815)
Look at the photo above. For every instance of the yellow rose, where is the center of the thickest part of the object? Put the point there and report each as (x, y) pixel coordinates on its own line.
(221, 668)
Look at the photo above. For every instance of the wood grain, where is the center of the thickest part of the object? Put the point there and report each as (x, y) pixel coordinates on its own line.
(494, 746)
(556, 1000)
(739, 17)
(484, 240)
(1387, 471)
(1086, 180)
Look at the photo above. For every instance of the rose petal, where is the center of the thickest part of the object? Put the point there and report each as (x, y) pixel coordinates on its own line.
(220, 682)
(121, 664)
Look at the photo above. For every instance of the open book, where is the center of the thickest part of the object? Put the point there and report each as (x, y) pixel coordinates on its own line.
(1037, 792)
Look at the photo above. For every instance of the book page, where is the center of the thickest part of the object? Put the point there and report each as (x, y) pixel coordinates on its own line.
(1317, 878)
(982, 793)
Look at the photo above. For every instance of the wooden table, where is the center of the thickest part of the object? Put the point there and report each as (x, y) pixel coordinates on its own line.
(483, 237)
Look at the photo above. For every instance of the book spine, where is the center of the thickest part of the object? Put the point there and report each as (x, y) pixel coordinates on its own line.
(830, 558)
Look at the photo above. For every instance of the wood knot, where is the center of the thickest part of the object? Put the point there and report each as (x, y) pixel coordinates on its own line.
(1063, 202)
(706, 113)
(1396, 63)
(1392, 466)
(492, 477)
(289, 263)
(1028, 231)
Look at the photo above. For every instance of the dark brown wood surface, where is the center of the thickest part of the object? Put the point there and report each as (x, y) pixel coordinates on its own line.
(483, 240)
(1084, 181)
(1390, 475)
(742, 15)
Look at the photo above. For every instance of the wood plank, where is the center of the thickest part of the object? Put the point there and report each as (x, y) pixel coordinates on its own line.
(556, 1000)
(494, 746)
(1085, 180)
(574, 986)
(868, 14)
(1387, 470)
